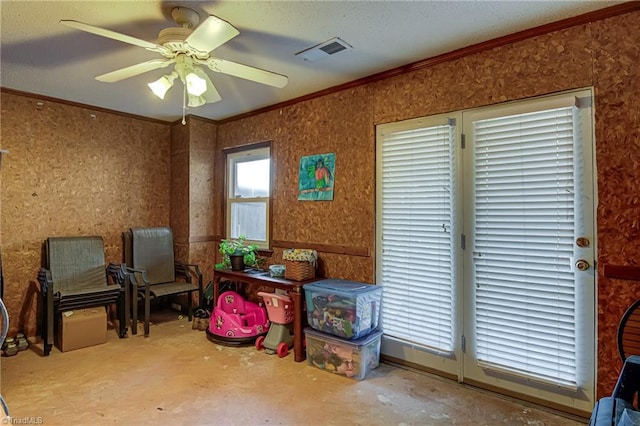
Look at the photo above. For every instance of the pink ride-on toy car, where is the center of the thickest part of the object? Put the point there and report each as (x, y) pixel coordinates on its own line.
(236, 321)
(279, 338)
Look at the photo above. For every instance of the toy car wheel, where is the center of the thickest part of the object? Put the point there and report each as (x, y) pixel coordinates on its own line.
(260, 343)
(283, 350)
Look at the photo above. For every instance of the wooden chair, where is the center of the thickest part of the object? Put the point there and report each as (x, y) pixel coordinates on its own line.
(154, 273)
(75, 277)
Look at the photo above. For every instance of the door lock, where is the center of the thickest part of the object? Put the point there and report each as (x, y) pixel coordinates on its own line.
(582, 265)
(582, 242)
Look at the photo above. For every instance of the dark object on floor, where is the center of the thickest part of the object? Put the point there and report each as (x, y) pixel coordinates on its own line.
(618, 409)
(155, 273)
(75, 277)
(200, 319)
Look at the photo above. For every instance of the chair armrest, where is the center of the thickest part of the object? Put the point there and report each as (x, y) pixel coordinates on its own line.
(628, 385)
(138, 278)
(186, 271)
(140, 273)
(45, 280)
(118, 274)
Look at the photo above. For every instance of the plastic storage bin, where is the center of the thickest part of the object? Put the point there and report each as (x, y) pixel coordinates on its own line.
(350, 358)
(343, 308)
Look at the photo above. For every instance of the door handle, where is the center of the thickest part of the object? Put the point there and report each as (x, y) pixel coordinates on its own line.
(582, 265)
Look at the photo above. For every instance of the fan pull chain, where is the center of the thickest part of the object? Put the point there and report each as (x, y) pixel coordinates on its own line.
(184, 104)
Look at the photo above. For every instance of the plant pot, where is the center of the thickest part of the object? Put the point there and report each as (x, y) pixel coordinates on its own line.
(237, 262)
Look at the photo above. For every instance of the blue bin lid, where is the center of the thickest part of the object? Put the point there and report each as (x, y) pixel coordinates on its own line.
(337, 285)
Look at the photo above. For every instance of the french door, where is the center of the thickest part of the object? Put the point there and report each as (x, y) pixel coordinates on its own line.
(417, 226)
(486, 246)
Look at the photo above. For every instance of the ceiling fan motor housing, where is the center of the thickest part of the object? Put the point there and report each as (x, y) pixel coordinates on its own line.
(174, 38)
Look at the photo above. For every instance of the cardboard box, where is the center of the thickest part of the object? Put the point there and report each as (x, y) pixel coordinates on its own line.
(81, 328)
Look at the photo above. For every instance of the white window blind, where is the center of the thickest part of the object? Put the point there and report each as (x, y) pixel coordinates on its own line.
(525, 295)
(248, 195)
(417, 263)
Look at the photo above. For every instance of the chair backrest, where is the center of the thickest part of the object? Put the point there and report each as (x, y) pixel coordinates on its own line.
(629, 332)
(76, 262)
(231, 303)
(151, 249)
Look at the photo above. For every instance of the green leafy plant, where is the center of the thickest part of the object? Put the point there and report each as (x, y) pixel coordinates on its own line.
(237, 246)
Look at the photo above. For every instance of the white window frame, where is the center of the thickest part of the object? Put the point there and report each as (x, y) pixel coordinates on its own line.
(237, 157)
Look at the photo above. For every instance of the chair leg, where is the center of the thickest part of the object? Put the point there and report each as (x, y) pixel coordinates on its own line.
(127, 304)
(45, 326)
(147, 309)
(134, 302)
(49, 332)
(147, 314)
(122, 314)
(190, 305)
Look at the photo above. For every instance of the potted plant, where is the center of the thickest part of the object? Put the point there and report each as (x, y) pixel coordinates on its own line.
(236, 254)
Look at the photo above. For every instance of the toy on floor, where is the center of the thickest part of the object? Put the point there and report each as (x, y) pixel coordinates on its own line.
(279, 338)
(236, 321)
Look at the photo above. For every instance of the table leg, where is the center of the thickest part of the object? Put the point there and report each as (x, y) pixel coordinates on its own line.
(216, 289)
(298, 335)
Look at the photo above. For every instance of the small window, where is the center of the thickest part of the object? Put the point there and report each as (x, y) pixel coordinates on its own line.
(249, 173)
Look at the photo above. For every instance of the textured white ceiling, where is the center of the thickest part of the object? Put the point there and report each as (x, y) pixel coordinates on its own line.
(39, 55)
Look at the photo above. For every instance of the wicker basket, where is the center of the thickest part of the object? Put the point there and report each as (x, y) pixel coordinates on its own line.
(300, 264)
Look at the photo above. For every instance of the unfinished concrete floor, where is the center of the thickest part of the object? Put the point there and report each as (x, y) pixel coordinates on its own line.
(178, 377)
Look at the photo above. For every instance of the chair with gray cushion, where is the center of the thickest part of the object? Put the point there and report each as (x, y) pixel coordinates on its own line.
(154, 272)
(618, 409)
(75, 277)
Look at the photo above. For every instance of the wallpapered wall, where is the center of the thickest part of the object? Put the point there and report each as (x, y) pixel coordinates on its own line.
(603, 54)
(71, 173)
(339, 123)
(193, 184)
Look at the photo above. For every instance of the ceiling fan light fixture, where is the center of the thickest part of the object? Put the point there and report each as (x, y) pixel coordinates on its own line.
(196, 85)
(195, 101)
(162, 85)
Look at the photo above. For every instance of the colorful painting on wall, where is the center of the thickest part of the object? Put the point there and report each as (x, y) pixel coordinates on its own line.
(316, 177)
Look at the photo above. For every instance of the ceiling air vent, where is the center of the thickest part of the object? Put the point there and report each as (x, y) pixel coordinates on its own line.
(322, 50)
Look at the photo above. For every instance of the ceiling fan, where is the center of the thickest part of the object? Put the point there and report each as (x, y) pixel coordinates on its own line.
(187, 46)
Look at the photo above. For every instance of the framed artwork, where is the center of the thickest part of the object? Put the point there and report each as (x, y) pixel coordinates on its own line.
(316, 177)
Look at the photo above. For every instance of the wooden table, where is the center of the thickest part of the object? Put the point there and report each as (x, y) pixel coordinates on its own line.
(263, 279)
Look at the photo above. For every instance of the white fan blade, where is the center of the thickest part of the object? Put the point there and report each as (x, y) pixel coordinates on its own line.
(211, 33)
(248, 73)
(211, 95)
(133, 70)
(114, 35)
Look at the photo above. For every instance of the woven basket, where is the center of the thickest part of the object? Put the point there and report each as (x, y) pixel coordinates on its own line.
(300, 265)
(299, 271)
